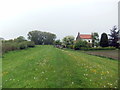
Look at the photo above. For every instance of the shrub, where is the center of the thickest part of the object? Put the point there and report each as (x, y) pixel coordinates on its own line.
(30, 44)
(99, 48)
(70, 46)
(23, 45)
(57, 42)
(10, 45)
(14, 46)
(79, 44)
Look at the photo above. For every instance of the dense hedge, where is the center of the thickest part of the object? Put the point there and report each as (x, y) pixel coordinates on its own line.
(99, 48)
(92, 48)
(70, 46)
(11, 45)
(79, 44)
(83, 45)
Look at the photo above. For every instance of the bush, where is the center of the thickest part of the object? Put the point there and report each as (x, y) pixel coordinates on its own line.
(23, 45)
(30, 44)
(14, 46)
(99, 48)
(57, 42)
(70, 46)
(11, 45)
(79, 44)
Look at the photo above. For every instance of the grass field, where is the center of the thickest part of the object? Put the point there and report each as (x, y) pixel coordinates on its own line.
(49, 67)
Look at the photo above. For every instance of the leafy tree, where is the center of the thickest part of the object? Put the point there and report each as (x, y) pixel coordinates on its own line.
(95, 39)
(35, 36)
(20, 39)
(79, 44)
(104, 40)
(48, 38)
(68, 40)
(41, 38)
(114, 35)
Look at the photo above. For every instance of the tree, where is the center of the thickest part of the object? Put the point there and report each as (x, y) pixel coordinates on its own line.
(95, 39)
(104, 40)
(41, 38)
(68, 40)
(114, 36)
(48, 38)
(35, 36)
(20, 39)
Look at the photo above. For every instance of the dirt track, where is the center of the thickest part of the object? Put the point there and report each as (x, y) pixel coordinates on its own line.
(114, 54)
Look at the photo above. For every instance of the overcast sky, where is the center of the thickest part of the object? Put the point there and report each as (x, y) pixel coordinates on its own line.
(62, 17)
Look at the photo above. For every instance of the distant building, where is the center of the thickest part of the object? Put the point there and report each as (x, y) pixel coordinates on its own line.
(85, 37)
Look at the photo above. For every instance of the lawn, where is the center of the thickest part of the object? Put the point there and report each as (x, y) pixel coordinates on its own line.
(49, 67)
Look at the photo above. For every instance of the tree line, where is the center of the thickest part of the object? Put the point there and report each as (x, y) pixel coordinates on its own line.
(46, 38)
(34, 38)
(104, 41)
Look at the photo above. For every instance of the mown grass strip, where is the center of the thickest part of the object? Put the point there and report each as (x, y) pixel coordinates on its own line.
(49, 67)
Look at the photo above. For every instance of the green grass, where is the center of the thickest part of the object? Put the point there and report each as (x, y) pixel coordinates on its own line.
(49, 67)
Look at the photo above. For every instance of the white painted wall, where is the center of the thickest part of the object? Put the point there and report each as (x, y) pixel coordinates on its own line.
(88, 40)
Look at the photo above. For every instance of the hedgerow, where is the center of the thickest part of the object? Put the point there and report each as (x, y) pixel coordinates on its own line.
(13, 45)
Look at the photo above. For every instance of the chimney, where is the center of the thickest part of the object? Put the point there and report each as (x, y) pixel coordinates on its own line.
(78, 34)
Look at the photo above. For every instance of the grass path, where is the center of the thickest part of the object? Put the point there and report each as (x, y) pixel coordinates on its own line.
(49, 67)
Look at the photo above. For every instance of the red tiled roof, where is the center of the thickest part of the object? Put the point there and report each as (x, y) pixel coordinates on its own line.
(85, 36)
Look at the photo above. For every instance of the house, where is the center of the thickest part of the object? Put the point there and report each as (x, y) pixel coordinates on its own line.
(85, 37)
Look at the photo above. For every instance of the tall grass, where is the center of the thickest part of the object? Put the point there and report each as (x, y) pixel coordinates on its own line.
(13, 45)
